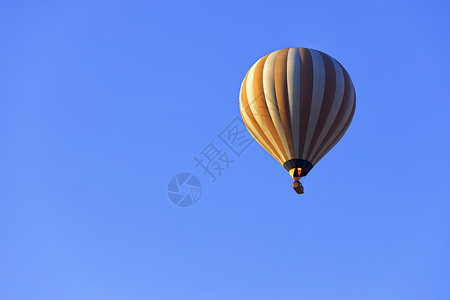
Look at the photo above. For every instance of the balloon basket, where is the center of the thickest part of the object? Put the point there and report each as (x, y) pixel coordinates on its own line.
(298, 187)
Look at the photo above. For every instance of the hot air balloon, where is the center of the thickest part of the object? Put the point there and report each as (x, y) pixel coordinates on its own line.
(297, 103)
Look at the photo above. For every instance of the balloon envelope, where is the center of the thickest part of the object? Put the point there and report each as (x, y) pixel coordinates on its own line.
(297, 103)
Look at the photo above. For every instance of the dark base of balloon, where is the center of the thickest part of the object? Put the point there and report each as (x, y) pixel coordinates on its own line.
(305, 165)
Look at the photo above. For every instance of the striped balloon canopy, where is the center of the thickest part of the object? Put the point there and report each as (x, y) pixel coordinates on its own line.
(297, 103)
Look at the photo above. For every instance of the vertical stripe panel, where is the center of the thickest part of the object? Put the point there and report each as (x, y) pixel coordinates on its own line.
(293, 79)
(346, 110)
(253, 131)
(306, 74)
(328, 95)
(282, 94)
(251, 118)
(341, 113)
(317, 97)
(262, 105)
(271, 101)
(338, 137)
(255, 109)
(338, 96)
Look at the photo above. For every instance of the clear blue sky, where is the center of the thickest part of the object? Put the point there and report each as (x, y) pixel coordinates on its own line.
(103, 102)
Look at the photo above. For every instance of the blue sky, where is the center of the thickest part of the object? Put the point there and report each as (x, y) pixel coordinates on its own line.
(103, 102)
